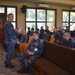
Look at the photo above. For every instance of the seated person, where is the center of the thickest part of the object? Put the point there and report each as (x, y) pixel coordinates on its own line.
(57, 36)
(32, 31)
(47, 30)
(42, 30)
(37, 30)
(45, 36)
(29, 31)
(33, 52)
(68, 41)
(67, 29)
(22, 39)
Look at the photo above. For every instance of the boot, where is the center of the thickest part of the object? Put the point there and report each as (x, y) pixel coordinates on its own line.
(23, 70)
(29, 68)
(9, 66)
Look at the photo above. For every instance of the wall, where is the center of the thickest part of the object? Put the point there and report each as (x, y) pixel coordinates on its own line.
(21, 16)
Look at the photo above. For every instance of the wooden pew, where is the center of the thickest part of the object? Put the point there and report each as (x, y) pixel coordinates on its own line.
(23, 46)
(55, 60)
(51, 39)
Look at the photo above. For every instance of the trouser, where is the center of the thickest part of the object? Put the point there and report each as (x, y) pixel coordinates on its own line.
(17, 46)
(10, 53)
(31, 59)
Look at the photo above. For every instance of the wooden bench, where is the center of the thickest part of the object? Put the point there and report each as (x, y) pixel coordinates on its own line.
(23, 46)
(56, 60)
(51, 39)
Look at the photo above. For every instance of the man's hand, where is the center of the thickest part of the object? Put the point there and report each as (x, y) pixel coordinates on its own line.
(18, 42)
(29, 52)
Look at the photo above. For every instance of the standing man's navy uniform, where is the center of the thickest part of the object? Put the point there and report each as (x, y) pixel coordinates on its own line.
(10, 40)
(33, 52)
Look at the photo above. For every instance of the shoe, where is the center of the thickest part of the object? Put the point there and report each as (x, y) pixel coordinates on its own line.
(9, 66)
(23, 70)
(30, 71)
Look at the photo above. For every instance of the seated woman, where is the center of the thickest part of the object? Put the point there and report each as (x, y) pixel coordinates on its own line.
(68, 41)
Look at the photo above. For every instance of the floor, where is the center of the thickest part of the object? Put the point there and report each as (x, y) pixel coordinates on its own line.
(7, 71)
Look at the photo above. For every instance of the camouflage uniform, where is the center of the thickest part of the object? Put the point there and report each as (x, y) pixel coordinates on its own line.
(70, 43)
(36, 47)
(10, 40)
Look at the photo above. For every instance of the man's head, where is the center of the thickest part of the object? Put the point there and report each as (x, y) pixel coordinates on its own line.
(28, 28)
(23, 32)
(41, 27)
(35, 35)
(63, 31)
(60, 28)
(55, 30)
(32, 30)
(67, 27)
(10, 17)
(37, 30)
(45, 32)
(66, 36)
(47, 27)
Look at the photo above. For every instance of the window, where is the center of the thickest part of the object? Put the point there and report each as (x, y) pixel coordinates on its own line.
(35, 18)
(2, 10)
(7, 9)
(69, 20)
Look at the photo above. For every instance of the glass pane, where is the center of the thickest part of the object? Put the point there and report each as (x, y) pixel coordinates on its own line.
(30, 15)
(50, 15)
(40, 15)
(72, 26)
(65, 16)
(13, 11)
(64, 25)
(51, 26)
(40, 24)
(2, 10)
(14, 24)
(72, 17)
(31, 25)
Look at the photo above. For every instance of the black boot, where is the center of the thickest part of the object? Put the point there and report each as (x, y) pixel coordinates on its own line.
(29, 70)
(9, 66)
(23, 70)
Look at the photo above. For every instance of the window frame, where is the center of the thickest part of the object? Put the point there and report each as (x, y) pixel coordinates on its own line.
(5, 6)
(69, 17)
(41, 21)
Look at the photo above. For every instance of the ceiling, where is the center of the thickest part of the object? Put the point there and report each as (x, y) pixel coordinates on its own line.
(62, 2)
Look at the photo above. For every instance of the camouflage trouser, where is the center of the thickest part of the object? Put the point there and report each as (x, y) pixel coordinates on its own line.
(24, 56)
(10, 52)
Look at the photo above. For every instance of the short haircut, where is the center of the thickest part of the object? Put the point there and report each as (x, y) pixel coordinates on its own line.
(46, 31)
(9, 14)
(36, 33)
(68, 33)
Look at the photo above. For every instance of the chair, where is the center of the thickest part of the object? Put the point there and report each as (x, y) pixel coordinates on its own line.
(23, 46)
(51, 39)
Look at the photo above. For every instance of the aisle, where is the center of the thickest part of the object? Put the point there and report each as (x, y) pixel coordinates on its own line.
(7, 71)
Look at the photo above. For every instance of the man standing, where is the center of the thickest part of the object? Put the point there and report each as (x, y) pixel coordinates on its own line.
(10, 40)
(33, 52)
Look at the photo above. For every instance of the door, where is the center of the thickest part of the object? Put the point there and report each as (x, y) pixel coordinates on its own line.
(2, 22)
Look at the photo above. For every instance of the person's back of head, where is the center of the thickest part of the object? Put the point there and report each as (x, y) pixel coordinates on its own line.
(32, 29)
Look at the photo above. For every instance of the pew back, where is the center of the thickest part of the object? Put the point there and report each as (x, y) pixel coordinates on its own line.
(62, 56)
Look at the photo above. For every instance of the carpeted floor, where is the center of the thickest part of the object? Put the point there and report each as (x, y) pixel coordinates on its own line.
(7, 71)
